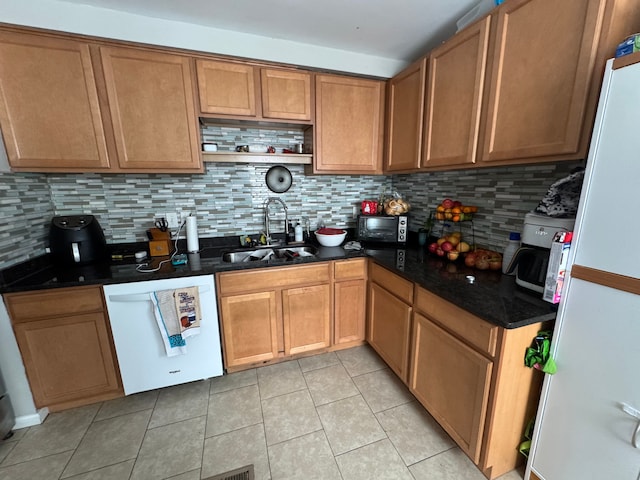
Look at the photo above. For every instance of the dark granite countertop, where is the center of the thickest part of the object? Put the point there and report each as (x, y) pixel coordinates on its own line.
(492, 296)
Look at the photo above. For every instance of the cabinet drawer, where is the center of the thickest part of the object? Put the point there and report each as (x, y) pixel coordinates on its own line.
(24, 307)
(474, 330)
(348, 269)
(273, 278)
(395, 284)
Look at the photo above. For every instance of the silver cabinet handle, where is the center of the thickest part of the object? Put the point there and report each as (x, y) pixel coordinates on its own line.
(635, 413)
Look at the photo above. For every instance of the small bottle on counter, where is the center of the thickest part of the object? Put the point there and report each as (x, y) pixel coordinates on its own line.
(298, 232)
(290, 233)
(510, 250)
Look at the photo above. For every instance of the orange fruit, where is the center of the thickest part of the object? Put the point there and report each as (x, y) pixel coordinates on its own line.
(439, 208)
(455, 210)
(466, 209)
(456, 218)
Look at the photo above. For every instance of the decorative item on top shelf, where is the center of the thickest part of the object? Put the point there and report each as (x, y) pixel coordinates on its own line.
(455, 211)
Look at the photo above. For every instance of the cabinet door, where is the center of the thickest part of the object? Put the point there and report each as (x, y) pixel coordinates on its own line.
(405, 118)
(67, 358)
(286, 95)
(349, 125)
(307, 318)
(49, 111)
(389, 329)
(537, 90)
(454, 97)
(452, 381)
(152, 108)
(349, 319)
(250, 326)
(226, 88)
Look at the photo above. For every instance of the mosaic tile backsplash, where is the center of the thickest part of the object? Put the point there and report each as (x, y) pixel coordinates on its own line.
(25, 215)
(228, 199)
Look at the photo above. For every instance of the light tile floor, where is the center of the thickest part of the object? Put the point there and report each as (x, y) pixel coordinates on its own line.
(342, 416)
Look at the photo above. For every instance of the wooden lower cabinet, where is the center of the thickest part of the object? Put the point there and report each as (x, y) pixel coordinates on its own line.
(468, 373)
(306, 313)
(250, 327)
(389, 323)
(452, 381)
(66, 346)
(350, 292)
(271, 314)
(349, 321)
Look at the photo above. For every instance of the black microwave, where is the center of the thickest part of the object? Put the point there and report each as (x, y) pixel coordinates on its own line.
(383, 228)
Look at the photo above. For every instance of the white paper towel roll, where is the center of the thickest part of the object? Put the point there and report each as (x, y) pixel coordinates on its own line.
(192, 234)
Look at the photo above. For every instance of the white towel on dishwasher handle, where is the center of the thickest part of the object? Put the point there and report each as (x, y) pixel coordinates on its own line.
(166, 315)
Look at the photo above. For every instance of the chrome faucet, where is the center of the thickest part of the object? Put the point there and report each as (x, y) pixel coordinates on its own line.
(268, 202)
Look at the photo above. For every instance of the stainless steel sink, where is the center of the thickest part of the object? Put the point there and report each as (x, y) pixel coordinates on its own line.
(264, 254)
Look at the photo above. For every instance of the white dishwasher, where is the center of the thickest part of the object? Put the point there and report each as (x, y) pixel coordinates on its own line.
(144, 364)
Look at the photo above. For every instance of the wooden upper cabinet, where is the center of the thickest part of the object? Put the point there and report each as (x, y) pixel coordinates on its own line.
(50, 115)
(226, 88)
(405, 112)
(454, 97)
(286, 95)
(540, 77)
(235, 90)
(349, 125)
(152, 105)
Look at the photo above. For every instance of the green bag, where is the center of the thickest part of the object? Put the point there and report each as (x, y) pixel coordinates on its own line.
(538, 356)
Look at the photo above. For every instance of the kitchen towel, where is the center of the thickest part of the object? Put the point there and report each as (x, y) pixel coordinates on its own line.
(187, 304)
(193, 245)
(166, 314)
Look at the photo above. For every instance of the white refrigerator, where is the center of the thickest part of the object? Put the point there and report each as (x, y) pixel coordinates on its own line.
(588, 421)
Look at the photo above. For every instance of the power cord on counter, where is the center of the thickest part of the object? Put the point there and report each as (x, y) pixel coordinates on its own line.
(142, 267)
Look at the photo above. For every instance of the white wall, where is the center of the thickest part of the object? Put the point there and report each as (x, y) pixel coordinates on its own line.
(88, 20)
(15, 376)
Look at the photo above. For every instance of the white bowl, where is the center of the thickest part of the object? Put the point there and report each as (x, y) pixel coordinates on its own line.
(258, 149)
(331, 240)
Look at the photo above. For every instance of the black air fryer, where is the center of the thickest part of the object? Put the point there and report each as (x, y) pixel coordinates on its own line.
(76, 240)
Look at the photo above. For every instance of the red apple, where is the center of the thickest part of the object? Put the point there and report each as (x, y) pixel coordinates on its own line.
(446, 246)
(456, 203)
(447, 203)
(470, 259)
(440, 252)
(432, 247)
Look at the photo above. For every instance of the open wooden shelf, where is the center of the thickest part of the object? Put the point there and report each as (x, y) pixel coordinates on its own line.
(245, 157)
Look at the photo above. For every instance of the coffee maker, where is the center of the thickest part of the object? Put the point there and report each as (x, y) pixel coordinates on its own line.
(532, 258)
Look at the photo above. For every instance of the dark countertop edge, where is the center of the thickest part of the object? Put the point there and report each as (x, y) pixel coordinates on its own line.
(214, 267)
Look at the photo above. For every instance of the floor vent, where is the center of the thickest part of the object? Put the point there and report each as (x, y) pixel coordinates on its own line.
(244, 473)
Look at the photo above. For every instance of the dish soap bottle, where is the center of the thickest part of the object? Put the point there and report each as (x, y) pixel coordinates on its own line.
(298, 232)
(510, 250)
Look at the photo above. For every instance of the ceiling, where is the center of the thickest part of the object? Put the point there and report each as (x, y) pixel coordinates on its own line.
(396, 29)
